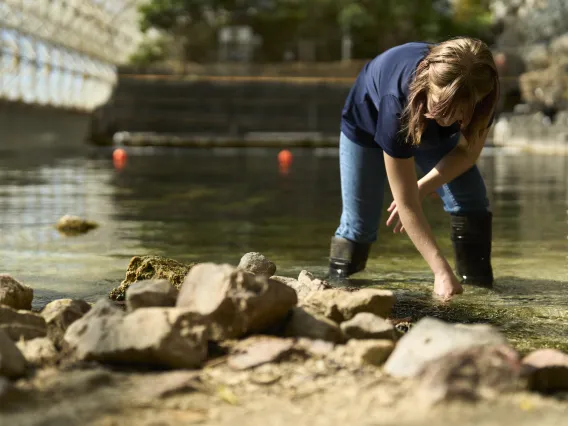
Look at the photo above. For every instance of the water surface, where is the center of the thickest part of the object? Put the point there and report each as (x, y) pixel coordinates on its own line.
(215, 205)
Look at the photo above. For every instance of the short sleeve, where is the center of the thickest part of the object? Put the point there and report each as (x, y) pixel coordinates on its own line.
(387, 133)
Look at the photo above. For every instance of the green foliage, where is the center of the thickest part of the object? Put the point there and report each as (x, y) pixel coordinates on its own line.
(373, 25)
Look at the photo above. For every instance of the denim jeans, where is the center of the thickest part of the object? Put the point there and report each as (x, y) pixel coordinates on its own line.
(363, 178)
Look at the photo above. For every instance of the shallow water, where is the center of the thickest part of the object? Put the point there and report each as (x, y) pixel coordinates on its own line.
(215, 205)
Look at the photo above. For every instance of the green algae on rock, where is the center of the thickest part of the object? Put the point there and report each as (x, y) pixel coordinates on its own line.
(151, 268)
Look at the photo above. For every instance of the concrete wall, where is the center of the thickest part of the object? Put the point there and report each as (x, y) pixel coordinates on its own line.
(223, 106)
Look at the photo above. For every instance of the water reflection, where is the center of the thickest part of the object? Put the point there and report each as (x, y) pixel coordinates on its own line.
(215, 205)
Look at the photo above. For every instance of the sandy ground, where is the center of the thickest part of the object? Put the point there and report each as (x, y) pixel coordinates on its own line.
(308, 392)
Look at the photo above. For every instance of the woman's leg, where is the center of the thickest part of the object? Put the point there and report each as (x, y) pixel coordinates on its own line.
(465, 198)
(362, 189)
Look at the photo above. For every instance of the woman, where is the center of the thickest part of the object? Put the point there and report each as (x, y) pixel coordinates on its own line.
(429, 104)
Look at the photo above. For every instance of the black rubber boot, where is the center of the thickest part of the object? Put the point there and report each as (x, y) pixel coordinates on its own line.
(471, 238)
(346, 257)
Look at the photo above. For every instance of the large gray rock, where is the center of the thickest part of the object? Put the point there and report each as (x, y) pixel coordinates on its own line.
(166, 337)
(368, 326)
(38, 351)
(234, 302)
(60, 314)
(474, 373)
(315, 327)
(15, 294)
(151, 293)
(546, 370)
(258, 264)
(12, 362)
(431, 338)
(21, 324)
(341, 305)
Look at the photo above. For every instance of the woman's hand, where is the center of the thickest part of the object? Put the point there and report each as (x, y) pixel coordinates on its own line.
(446, 285)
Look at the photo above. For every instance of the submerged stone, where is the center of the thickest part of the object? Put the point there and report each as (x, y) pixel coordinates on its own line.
(143, 268)
(74, 225)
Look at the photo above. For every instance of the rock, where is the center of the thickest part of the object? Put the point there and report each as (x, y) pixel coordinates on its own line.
(163, 385)
(234, 302)
(151, 293)
(368, 326)
(167, 337)
(340, 305)
(431, 338)
(546, 370)
(314, 348)
(21, 324)
(60, 314)
(8, 393)
(312, 326)
(74, 225)
(373, 352)
(545, 88)
(12, 362)
(38, 351)
(305, 284)
(15, 294)
(471, 374)
(258, 264)
(259, 350)
(143, 268)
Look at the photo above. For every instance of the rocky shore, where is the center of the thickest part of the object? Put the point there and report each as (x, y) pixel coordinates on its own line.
(223, 344)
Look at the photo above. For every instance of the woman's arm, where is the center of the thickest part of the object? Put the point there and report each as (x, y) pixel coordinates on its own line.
(401, 174)
(456, 162)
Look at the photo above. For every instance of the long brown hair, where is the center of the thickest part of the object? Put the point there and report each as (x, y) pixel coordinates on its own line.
(460, 72)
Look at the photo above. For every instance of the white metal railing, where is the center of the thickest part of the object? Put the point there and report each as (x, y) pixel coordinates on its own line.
(64, 53)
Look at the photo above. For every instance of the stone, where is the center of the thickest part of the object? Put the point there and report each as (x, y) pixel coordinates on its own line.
(9, 393)
(38, 351)
(60, 314)
(312, 326)
(258, 264)
(151, 293)
(73, 225)
(370, 351)
(12, 362)
(15, 294)
(143, 268)
(164, 337)
(21, 324)
(340, 305)
(259, 350)
(234, 302)
(479, 372)
(305, 284)
(314, 348)
(431, 338)
(368, 326)
(163, 385)
(546, 370)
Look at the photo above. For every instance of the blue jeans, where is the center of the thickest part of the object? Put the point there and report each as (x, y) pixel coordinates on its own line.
(363, 178)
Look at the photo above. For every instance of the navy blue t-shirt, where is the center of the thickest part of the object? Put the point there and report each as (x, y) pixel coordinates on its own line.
(374, 106)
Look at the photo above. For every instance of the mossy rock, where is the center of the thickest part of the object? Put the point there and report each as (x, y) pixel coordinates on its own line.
(151, 268)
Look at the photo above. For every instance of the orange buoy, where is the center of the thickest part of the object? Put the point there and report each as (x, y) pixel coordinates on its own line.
(119, 158)
(285, 157)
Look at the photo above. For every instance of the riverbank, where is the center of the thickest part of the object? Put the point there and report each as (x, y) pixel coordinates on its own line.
(221, 344)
